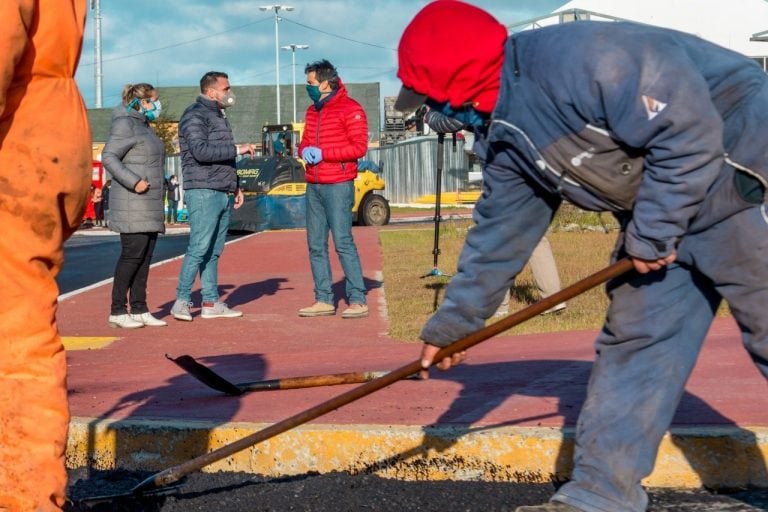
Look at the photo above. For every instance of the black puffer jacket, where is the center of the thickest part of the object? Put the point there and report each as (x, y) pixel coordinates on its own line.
(133, 152)
(207, 147)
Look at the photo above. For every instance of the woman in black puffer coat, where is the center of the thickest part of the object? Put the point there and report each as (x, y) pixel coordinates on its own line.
(134, 156)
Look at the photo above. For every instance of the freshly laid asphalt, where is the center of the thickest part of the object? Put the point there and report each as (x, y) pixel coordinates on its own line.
(507, 414)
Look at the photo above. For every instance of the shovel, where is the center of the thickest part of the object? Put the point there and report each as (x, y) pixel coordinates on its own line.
(171, 475)
(219, 383)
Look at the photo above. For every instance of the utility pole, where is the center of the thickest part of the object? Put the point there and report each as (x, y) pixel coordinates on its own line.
(96, 6)
(277, 8)
(293, 48)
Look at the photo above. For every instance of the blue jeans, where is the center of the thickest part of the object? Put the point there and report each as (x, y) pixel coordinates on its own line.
(208, 212)
(329, 208)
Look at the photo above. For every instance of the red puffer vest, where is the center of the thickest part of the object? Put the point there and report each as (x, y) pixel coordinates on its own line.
(340, 130)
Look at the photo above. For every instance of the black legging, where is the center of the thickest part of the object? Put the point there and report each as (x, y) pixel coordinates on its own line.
(131, 273)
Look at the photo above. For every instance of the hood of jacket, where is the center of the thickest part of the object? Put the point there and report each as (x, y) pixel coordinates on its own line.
(452, 51)
(208, 102)
(121, 111)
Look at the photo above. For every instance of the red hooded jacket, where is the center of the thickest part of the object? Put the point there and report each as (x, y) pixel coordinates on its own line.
(340, 130)
(439, 64)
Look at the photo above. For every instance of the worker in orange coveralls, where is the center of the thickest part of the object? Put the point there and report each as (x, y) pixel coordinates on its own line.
(45, 167)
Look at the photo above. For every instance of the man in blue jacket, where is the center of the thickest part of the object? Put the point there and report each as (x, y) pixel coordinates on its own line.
(663, 129)
(208, 153)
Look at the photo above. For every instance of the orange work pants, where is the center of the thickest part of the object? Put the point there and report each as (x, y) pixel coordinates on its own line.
(45, 173)
(33, 397)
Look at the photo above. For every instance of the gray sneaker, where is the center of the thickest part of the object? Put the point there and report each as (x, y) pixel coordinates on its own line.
(180, 310)
(218, 310)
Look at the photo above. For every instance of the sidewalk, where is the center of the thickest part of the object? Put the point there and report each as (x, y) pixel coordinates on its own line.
(507, 414)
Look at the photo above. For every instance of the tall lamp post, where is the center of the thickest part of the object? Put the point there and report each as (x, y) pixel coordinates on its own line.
(293, 48)
(277, 8)
(96, 6)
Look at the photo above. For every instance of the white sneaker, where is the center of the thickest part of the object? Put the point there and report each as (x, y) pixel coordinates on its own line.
(555, 309)
(148, 320)
(124, 321)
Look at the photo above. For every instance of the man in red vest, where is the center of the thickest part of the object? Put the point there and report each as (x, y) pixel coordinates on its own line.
(335, 137)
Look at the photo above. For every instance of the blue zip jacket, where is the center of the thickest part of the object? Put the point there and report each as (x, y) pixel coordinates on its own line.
(207, 147)
(618, 117)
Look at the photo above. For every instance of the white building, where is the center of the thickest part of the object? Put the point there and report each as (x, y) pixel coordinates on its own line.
(740, 25)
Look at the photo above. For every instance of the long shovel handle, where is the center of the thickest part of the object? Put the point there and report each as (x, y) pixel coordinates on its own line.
(175, 473)
(215, 381)
(310, 381)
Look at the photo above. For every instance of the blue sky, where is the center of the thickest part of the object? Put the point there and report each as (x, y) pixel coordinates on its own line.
(174, 43)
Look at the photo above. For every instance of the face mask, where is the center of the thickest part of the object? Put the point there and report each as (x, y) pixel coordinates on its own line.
(150, 114)
(314, 92)
(226, 100)
(153, 113)
(467, 114)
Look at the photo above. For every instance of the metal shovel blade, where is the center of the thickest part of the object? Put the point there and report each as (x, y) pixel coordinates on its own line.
(206, 375)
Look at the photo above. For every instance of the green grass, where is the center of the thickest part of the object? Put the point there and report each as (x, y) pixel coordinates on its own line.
(581, 242)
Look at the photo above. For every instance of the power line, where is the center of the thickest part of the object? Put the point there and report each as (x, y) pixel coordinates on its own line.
(245, 25)
(389, 71)
(183, 43)
(232, 29)
(338, 36)
(268, 72)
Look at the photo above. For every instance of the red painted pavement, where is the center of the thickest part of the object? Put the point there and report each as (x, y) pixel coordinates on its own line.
(509, 380)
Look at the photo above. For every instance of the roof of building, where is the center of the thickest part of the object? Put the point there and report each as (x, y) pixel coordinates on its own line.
(255, 107)
(730, 24)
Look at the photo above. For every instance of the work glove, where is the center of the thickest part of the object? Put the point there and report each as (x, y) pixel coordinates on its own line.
(312, 155)
(442, 123)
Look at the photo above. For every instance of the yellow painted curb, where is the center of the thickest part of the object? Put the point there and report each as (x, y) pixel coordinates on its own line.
(86, 342)
(715, 457)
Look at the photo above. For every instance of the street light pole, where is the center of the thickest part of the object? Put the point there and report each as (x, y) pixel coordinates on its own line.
(96, 6)
(293, 48)
(277, 8)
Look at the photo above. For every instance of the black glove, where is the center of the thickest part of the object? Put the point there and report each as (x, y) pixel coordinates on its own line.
(442, 123)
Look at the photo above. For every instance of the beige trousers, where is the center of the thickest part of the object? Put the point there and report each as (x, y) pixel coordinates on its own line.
(545, 275)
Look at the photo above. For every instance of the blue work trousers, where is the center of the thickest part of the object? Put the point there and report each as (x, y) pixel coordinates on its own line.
(208, 212)
(653, 334)
(329, 208)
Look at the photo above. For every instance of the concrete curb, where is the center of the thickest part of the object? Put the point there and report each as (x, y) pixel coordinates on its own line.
(714, 457)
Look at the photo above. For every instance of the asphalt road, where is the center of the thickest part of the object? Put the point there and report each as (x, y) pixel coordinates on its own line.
(342, 492)
(91, 257)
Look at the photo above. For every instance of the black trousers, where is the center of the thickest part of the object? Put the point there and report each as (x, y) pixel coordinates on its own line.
(131, 273)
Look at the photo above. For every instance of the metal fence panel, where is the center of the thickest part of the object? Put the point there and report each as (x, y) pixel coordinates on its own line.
(410, 168)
